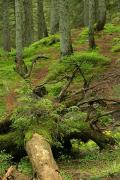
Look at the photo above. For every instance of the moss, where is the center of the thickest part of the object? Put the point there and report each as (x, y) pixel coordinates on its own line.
(25, 166)
(111, 28)
(44, 130)
(7, 142)
(116, 48)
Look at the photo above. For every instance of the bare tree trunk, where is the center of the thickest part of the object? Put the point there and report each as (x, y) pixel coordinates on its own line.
(28, 33)
(91, 24)
(54, 16)
(42, 160)
(65, 30)
(101, 15)
(86, 14)
(6, 28)
(20, 65)
(42, 27)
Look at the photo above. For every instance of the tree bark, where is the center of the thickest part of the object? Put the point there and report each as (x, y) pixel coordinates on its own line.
(6, 28)
(42, 27)
(91, 24)
(65, 30)
(86, 14)
(54, 27)
(102, 140)
(101, 15)
(28, 22)
(20, 65)
(42, 160)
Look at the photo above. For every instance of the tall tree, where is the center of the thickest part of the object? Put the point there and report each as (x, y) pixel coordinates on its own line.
(6, 28)
(20, 65)
(28, 22)
(101, 15)
(65, 30)
(42, 27)
(86, 14)
(91, 24)
(54, 24)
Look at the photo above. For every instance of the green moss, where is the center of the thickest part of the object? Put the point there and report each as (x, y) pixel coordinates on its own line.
(111, 28)
(43, 131)
(5, 162)
(7, 141)
(66, 176)
(90, 62)
(54, 89)
(83, 37)
(116, 48)
(25, 166)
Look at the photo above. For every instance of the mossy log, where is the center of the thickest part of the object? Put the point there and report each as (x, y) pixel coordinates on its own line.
(5, 124)
(102, 140)
(40, 154)
(8, 143)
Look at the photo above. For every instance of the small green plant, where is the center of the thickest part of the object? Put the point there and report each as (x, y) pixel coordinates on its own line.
(54, 89)
(2, 53)
(116, 48)
(111, 28)
(66, 176)
(88, 62)
(74, 121)
(83, 37)
(25, 166)
(5, 162)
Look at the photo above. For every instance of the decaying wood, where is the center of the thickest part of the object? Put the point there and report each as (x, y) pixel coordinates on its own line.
(40, 155)
(5, 124)
(99, 100)
(9, 173)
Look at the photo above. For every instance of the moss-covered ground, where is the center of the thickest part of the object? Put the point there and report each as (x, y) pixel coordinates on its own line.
(89, 163)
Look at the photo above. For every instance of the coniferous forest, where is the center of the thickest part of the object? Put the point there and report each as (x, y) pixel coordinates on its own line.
(60, 89)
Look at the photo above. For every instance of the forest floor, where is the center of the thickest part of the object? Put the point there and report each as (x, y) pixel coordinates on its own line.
(90, 163)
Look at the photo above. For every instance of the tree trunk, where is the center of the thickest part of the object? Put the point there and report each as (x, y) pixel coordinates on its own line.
(86, 14)
(91, 24)
(42, 28)
(20, 65)
(42, 160)
(65, 30)
(28, 22)
(102, 15)
(6, 28)
(54, 27)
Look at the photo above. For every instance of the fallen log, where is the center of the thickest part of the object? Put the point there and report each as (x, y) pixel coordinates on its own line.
(40, 155)
(8, 143)
(5, 124)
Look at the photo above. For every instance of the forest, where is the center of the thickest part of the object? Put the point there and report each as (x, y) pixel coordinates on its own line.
(59, 89)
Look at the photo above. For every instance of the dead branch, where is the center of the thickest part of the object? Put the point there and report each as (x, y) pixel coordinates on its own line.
(86, 84)
(99, 100)
(32, 65)
(109, 113)
(63, 91)
(28, 72)
(9, 173)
